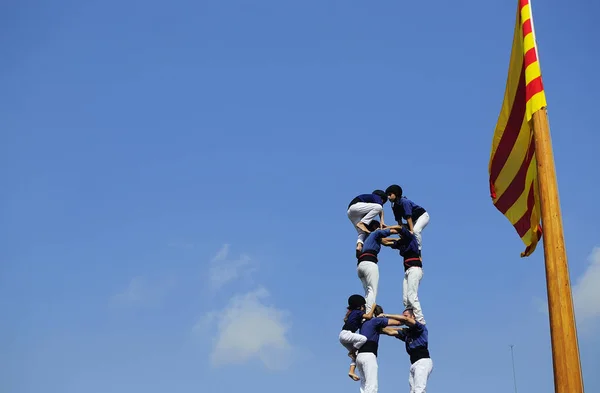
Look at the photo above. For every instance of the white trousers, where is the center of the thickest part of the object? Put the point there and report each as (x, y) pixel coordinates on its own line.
(365, 213)
(410, 291)
(419, 374)
(352, 341)
(368, 272)
(419, 226)
(367, 366)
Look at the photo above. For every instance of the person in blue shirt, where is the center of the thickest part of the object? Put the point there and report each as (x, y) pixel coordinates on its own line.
(352, 322)
(367, 268)
(362, 210)
(413, 269)
(366, 360)
(416, 342)
(416, 217)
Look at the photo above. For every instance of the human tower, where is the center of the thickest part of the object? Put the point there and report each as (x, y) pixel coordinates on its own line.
(365, 320)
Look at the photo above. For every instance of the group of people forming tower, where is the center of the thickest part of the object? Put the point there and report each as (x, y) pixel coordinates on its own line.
(365, 320)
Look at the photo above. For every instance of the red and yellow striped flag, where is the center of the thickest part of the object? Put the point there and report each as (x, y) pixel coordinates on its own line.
(513, 165)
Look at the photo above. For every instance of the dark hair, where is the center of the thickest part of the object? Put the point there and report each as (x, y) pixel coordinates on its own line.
(378, 310)
(355, 302)
(394, 189)
(410, 311)
(382, 194)
(374, 225)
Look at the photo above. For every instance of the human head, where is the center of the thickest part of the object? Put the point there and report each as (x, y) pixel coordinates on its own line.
(356, 302)
(378, 310)
(374, 225)
(382, 194)
(393, 192)
(409, 313)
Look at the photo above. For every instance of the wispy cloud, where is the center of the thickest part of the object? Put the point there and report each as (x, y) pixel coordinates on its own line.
(224, 269)
(250, 329)
(142, 292)
(586, 291)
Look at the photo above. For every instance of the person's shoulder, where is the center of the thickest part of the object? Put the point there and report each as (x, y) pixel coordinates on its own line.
(406, 201)
(420, 327)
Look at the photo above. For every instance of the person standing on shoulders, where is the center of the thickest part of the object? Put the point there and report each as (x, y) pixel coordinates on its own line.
(367, 268)
(413, 268)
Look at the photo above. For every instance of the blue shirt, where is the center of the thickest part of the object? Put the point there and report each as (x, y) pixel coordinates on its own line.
(372, 243)
(405, 208)
(371, 329)
(354, 320)
(370, 198)
(407, 244)
(415, 340)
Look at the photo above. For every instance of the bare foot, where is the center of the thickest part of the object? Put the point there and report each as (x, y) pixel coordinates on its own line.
(363, 227)
(354, 377)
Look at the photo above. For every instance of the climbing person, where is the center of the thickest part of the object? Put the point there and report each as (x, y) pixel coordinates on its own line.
(362, 210)
(413, 268)
(416, 341)
(367, 268)
(416, 217)
(352, 322)
(366, 360)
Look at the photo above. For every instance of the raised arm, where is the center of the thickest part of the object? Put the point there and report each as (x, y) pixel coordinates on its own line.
(382, 225)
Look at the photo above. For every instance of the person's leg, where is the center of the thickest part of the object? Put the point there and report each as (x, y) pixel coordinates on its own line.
(412, 296)
(405, 289)
(369, 372)
(355, 213)
(349, 340)
(418, 227)
(360, 366)
(423, 368)
(411, 379)
(370, 282)
(374, 209)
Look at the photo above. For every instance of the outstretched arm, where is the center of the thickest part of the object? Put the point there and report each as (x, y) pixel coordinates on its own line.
(401, 318)
(390, 331)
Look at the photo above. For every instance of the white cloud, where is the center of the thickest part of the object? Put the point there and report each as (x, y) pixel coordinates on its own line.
(224, 269)
(248, 329)
(586, 292)
(141, 292)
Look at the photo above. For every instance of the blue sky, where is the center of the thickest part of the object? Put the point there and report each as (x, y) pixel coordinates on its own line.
(175, 183)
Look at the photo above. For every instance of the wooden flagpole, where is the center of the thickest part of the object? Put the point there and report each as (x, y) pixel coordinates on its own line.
(563, 331)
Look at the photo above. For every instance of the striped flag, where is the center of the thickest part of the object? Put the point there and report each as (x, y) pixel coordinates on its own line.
(513, 166)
